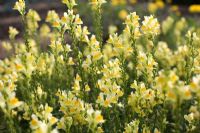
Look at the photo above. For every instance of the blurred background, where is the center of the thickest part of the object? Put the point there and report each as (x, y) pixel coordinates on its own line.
(10, 17)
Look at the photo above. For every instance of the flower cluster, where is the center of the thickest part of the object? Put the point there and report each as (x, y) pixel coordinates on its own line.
(108, 85)
(43, 120)
(20, 6)
(140, 78)
(143, 99)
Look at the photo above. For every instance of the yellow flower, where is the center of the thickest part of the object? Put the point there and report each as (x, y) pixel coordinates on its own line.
(76, 87)
(87, 88)
(53, 120)
(156, 130)
(97, 3)
(32, 20)
(94, 117)
(42, 128)
(160, 4)
(34, 122)
(118, 2)
(70, 61)
(33, 15)
(107, 103)
(99, 117)
(96, 55)
(171, 95)
(99, 130)
(48, 109)
(20, 6)
(6, 45)
(52, 16)
(189, 117)
(56, 24)
(77, 20)
(167, 24)
(70, 3)
(78, 78)
(132, 127)
(194, 8)
(12, 32)
(133, 1)
(132, 20)
(132, 25)
(45, 30)
(122, 14)
(150, 26)
(14, 102)
(152, 7)
(174, 8)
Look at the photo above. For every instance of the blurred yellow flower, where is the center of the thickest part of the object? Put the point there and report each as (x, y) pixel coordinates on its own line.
(194, 8)
(169, 1)
(70, 3)
(118, 2)
(133, 1)
(152, 7)
(122, 14)
(97, 3)
(160, 4)
(175, 8)
(14, 102)
(12, 32)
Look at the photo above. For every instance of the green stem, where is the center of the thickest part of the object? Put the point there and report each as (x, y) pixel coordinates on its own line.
(135, 54)
(97, 22)
(26, 34)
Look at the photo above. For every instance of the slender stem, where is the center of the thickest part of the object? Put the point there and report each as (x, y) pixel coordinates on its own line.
(97, 22)
(26, 34)
(135, 54)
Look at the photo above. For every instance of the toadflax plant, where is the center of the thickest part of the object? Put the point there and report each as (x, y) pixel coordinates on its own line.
(128, 82)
